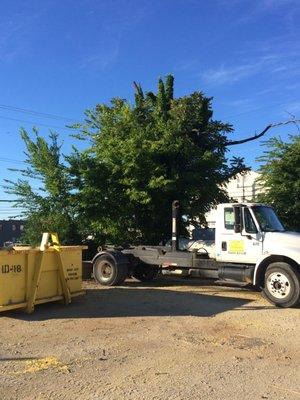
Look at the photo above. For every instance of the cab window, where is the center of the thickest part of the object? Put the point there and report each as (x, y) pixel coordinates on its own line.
(250, 226)
(229, 218)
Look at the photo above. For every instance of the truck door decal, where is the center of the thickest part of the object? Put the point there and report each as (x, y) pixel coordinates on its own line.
(236, 247)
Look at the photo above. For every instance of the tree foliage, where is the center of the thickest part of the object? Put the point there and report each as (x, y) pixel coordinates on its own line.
(145, 155)
(48, 206)
(280, 175)
(139, 157)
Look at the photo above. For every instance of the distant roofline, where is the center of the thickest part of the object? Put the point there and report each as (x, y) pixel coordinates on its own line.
(12, 220)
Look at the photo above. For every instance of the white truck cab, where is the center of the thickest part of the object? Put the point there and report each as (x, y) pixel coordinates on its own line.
(252, 234)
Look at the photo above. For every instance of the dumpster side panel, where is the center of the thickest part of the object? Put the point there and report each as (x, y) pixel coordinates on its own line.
(72, 260)
(48, 284)
(13, 277)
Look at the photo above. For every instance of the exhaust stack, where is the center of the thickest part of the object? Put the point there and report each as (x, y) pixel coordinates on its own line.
(175, 215)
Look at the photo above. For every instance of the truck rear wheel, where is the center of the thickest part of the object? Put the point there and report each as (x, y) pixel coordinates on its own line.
(145, 273)
(282, 285)
(108, 272)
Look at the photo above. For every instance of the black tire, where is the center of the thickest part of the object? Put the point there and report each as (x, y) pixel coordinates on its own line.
(282, 285)
(108, 272)
(145, 273)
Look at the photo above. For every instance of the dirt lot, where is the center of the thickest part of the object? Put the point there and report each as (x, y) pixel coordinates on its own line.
(177, 339)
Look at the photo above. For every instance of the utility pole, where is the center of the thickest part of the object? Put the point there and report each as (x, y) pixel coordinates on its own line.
(243, 187)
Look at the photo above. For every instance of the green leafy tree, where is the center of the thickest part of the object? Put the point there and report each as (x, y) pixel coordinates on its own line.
(280, 176)
(139, 157)
(144, 155)
(49, 206)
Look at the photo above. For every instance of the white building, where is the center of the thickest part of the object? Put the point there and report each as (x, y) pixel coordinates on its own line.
(242, 188)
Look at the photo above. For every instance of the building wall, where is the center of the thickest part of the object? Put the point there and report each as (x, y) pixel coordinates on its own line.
(242, 188)
(10, 230)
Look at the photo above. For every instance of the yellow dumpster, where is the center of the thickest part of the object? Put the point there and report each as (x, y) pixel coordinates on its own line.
(30, 276)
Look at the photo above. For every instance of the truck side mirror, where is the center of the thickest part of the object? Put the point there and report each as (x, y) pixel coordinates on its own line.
(238, 225)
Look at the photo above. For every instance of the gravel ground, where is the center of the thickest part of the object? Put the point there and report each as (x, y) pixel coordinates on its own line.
(175, 339)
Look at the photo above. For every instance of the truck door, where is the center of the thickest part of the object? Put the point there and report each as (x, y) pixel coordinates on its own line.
(253, 236)
(241, 247)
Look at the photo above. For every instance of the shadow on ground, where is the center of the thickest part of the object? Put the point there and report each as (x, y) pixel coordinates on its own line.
(171, 281)
(135, 302)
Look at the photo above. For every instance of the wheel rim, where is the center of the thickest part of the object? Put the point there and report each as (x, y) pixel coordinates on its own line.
(278, 284)
(105, 271)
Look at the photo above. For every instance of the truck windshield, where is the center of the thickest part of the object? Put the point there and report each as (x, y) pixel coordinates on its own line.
(267, 219)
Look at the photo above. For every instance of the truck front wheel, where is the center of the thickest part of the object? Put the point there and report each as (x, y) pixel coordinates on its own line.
(108, 272)
(282, 285)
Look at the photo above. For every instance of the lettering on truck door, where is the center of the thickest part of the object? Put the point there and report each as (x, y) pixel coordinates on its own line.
(239, 247)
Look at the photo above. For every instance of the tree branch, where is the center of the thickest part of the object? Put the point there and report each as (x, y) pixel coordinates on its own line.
(258, 135)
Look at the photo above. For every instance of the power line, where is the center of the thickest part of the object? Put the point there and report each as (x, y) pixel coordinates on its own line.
(8, 207)
(33, 112)
(32, 123)
(11, 208)
(5, 159)
(61, 117)
(3, 206)
(254, 110)
(10, 212)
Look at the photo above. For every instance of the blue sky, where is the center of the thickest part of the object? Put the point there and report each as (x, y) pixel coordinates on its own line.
(61, 57)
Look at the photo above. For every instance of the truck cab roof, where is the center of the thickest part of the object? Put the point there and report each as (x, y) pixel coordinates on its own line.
(223, 205)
